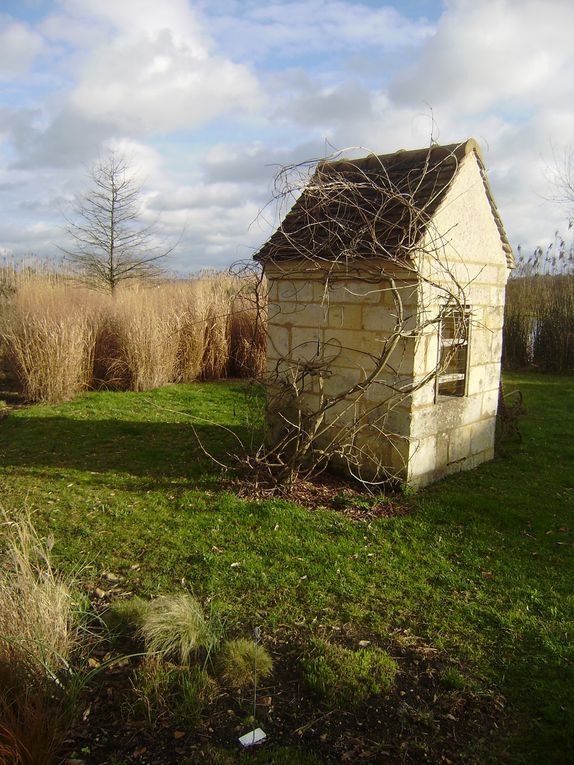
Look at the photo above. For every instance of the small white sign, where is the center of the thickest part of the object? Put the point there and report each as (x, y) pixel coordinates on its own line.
(256, 736)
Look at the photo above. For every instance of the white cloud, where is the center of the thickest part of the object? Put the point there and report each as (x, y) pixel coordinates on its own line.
(214, 195)
(315, 26)
(493, 53)
(19, 46)
(153, 72)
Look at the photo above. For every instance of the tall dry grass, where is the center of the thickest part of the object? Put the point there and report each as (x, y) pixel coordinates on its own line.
(145, 338)
(247, 336)
(59, 339)
(38, 637)
(49, 340)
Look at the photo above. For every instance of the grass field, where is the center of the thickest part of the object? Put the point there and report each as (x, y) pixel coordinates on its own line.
(480, 570)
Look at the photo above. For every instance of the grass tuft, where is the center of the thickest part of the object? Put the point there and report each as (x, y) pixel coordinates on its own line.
(453, 679)
(236, 661)
(168, 692)
(125, 618)
(175, 626)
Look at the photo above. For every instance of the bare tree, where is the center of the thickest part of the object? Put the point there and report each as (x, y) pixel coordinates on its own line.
(562, 179)
(108, 243)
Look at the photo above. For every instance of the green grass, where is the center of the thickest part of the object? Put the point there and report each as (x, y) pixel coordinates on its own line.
(481, 570)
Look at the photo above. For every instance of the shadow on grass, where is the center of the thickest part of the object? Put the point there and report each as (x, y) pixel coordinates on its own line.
(153, 449)
(538, 682)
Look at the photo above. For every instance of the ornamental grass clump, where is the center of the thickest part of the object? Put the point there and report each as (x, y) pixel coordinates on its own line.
(174, 626)
(343, 676)
(39, 636)
(238, 660)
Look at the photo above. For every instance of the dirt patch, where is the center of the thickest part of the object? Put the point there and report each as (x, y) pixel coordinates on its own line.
(421, 721)
(331, 492)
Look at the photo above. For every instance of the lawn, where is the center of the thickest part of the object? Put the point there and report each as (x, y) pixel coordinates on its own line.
(474, 582)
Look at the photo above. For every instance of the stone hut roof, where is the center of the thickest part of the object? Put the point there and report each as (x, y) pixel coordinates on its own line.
(376, 206)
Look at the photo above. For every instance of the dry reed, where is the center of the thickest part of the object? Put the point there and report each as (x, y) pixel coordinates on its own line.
(539, 322)
(147, 341)
(49, 341)
(60, 339)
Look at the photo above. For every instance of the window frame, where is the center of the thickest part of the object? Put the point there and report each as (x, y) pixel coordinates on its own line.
(461, 340)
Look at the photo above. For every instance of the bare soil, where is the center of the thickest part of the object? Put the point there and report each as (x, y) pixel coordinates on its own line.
(421, 721)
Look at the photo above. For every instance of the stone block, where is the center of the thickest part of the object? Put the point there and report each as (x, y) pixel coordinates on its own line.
(306, 344)
(380, 320)
(489, 403)
(342, 413)
(422, 457)
(426, 354)
(350, 340)
(496, 348)
(354, 291)
(483, 377)
(295, 291)
(482, 435)
(441, 450)
(272, 291)
(341, 380)
(478, 295)
(459, 443)
(344, 316)
(278, 342)
(480, 345)
(425, 395)
(493, 316)
(489, 274)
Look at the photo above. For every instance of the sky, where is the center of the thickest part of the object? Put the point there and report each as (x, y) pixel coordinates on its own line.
(207, 99)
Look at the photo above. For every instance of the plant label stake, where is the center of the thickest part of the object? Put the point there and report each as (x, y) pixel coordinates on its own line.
(255, 736)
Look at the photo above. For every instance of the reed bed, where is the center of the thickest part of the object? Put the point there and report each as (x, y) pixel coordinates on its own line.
(59, 338)
(539, 322)
(49, 340)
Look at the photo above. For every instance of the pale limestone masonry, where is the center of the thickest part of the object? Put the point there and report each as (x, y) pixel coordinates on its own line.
(314, 313)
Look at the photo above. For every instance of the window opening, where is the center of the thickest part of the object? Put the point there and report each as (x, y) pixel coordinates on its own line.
(454, 336)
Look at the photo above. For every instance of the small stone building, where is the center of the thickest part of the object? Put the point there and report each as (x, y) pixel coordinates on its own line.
(386, 300)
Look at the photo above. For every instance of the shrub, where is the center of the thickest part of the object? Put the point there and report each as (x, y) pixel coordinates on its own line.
(539, 322)
(59, 338)
(236, 662)
(175, 626)
(216, 343)
(248, 336)
(345, 676)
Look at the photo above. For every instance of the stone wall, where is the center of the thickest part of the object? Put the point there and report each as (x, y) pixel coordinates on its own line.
(346, 325)
(451, 433)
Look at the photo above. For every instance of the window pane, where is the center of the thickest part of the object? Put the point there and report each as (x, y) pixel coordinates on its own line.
(451, 388)
(453, 359)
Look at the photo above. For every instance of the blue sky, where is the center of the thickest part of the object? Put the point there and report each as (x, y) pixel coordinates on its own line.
(208, 97)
